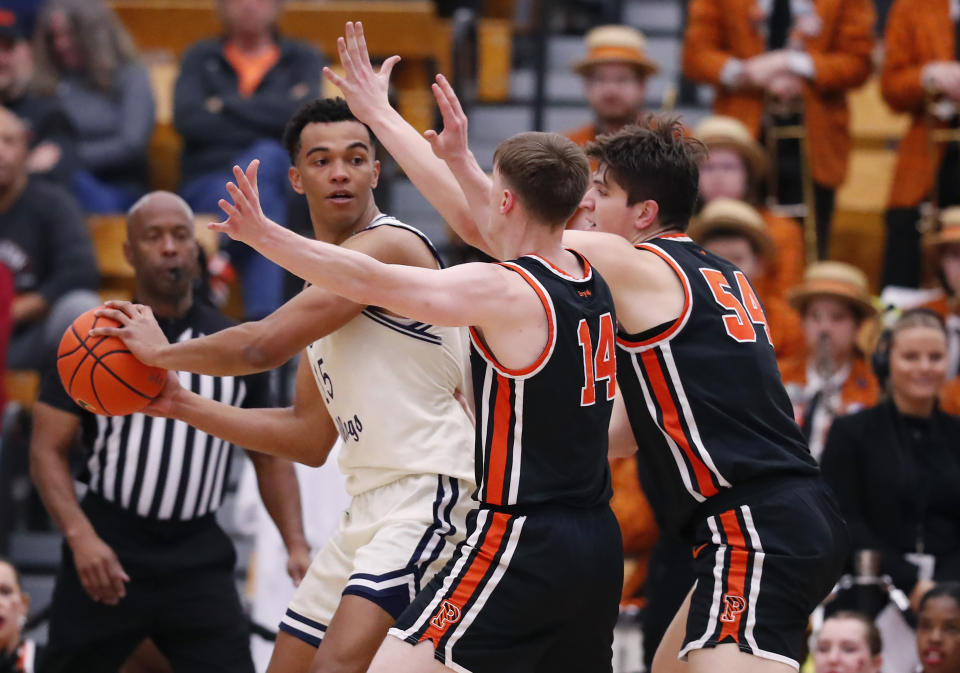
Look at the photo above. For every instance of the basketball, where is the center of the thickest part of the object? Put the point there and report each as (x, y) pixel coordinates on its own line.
(101, 374)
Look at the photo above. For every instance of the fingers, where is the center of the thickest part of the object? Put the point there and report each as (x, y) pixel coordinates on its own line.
(113, 314)
(251, 174)
(451, 95)
(108, 332)
(387, 68)
(346, 60)
(243, 187)
(361, 42)
(334, 78)
(241, 204)
(117, 578)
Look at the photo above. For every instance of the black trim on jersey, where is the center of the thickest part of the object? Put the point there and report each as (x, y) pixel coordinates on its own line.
(389, 221)
(417, 330)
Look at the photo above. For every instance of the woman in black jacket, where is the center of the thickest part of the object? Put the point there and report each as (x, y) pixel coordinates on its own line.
(895, 467)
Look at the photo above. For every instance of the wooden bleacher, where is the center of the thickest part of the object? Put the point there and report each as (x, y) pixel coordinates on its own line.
(858, 229)
(409, 28)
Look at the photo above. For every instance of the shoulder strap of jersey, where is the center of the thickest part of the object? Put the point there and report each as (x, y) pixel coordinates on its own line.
(388, 221)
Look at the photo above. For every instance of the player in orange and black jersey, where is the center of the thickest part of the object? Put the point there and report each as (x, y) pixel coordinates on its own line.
(513, 598)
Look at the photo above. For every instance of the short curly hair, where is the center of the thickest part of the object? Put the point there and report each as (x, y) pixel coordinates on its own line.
(319, 111)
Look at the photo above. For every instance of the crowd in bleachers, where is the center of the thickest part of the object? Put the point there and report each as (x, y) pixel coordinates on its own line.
(85, 132)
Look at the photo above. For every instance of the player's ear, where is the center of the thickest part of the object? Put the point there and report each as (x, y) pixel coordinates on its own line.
(376, 174)
(645, 214)
(507, 201)
(295, 179)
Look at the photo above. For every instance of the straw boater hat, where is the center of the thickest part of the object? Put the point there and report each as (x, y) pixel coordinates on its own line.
(834, 279)
(724, 214)
(616, 44)
(949, 231)
(720, 131)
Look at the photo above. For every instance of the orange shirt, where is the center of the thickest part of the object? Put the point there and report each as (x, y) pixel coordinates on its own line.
(859, 391)
(950, 397)
(251, 69)
(785, 270)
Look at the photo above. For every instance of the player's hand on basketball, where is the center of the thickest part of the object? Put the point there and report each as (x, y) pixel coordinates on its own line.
(298, 561)
(138, 329)
(163, 404)
(245, 219)
(364, 89)
(451, 143)
(99, 569)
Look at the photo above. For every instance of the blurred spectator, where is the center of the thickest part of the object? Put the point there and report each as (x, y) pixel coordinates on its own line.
(735, 231)
(736, 168)
(234, 94)
(781, 63)
(848, 642)
(615, 73)
(895, 467)
(920, 76)
(832, 377)
(944, 249)
(50, 132)
(84, 57)
(44, 241)
(143, 554)
(938, 629)
(17, 655)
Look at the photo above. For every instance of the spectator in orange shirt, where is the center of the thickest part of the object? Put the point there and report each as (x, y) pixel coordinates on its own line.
(735, 231)
(791, 62)
(833, 378)
(615, 73)
(233, 97)
(920, 76)
(736, 168)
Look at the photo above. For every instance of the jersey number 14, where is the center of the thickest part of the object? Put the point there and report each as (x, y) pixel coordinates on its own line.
(599, 365)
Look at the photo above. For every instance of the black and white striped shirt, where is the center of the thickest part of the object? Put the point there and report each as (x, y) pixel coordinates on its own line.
(162, 468)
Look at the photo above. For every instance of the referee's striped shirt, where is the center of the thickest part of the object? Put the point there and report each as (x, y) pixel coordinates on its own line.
(161, 468)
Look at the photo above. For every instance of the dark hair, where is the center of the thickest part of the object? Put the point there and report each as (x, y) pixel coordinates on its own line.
(548, 172)
(949, 589)
(654, 160)
(16, 573)
(318, 111)
(872, 633)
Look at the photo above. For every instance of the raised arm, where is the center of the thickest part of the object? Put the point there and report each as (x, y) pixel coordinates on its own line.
(303, 433)
(485, 295)
(243, 349)
(264, 344)
(366, 93)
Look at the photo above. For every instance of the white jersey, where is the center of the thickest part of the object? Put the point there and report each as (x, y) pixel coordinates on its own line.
(388, 383)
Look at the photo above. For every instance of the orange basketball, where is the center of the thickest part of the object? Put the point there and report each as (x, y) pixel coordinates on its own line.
(101, 374)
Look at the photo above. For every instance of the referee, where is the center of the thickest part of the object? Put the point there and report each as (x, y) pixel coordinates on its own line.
(143, 555)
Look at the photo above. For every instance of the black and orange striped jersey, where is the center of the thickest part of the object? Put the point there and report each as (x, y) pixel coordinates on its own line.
(703, 392)
(542, 431)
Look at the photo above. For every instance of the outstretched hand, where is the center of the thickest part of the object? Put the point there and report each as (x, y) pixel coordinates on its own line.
(364, 89)
(452, 142)
(138, 328)
(245, 219)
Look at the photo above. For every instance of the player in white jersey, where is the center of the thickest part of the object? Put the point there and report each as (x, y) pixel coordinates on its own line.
(387, 385)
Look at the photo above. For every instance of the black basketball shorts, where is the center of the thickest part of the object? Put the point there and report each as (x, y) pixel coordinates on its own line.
(763, 565)
(524, 594)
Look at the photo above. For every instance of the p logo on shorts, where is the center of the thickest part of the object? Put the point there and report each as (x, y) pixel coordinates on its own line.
(447, 614)
(733, 605)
